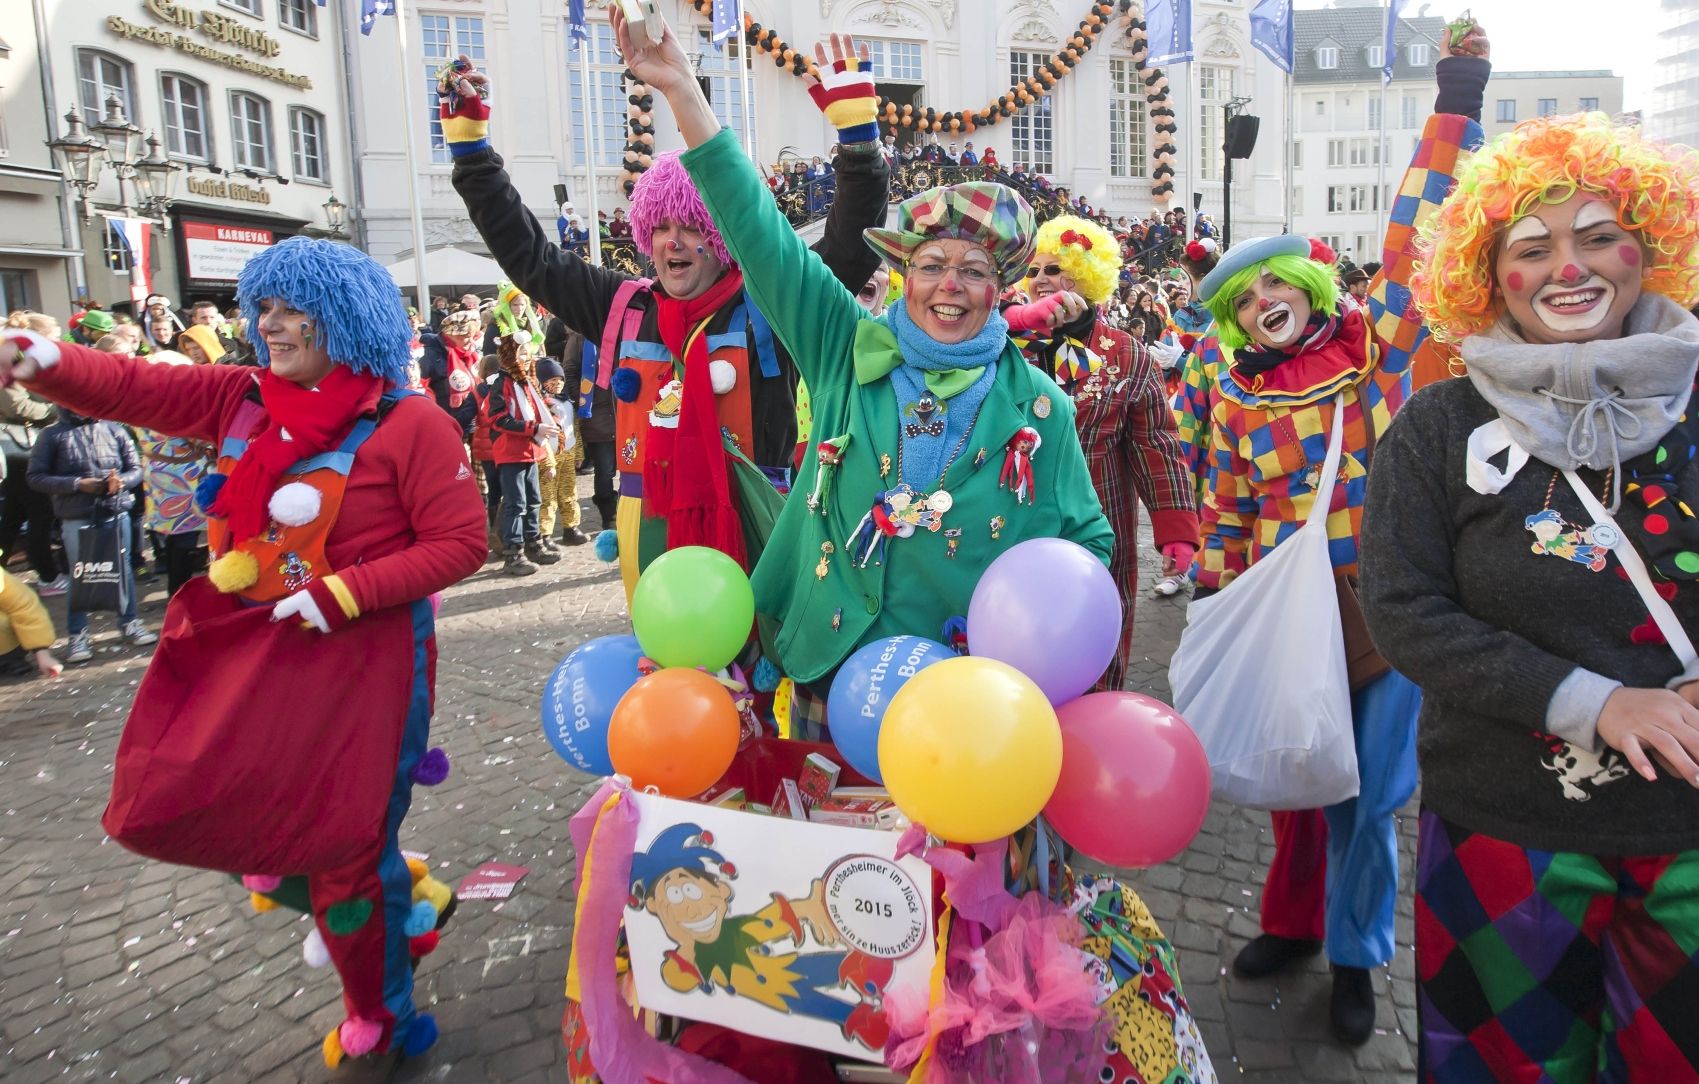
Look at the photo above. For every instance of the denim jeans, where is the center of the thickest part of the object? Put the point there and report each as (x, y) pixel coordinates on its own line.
(76, 621)
(521, 503)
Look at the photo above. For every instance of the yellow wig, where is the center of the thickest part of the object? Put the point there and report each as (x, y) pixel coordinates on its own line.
(1653, 185)
(1086, 253)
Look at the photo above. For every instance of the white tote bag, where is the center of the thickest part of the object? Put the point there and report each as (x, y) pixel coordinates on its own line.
(1260, 672)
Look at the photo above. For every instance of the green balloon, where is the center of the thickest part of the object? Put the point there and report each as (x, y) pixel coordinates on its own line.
(693, 607)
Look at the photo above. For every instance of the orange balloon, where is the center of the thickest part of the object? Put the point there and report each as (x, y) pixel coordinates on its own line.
(675, 730)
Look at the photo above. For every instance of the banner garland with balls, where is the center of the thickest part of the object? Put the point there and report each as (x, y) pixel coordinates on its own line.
(640, 143)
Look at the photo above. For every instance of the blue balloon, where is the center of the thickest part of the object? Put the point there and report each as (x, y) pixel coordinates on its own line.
(579, 700)
(862, 690)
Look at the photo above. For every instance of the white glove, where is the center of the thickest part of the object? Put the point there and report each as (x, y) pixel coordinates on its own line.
(1166, 354)
(301, 605)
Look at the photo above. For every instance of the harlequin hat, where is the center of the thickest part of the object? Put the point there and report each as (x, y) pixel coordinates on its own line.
(1086, 252)
(679, 846)
(992, 215)
(1249, 254)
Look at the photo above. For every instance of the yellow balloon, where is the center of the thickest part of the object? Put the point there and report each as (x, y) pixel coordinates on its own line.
(971, 749)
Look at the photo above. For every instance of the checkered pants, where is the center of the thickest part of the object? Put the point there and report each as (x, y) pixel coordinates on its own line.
(560, 492)
(1554, 966)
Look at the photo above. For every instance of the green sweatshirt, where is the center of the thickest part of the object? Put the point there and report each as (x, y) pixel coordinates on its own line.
(845, 356)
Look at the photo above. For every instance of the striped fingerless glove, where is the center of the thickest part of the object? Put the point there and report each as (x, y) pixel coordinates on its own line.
(465, 117)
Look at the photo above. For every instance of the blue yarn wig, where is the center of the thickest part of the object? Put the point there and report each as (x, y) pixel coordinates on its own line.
(355, 306)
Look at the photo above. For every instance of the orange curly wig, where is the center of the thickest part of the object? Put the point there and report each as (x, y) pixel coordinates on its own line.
(1654, 186)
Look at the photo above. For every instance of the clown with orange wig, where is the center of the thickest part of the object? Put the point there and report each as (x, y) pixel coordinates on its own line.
(1530, 552)
(1120, 408)
(1307, 390)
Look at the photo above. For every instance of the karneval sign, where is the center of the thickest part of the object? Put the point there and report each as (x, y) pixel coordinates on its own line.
(217, 252)
(216, 28)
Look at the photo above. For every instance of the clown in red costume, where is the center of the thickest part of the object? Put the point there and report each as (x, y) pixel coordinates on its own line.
(285, 715)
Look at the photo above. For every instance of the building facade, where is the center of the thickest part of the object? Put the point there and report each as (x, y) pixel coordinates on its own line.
(1513, 97)
(1674, 113)
(1092, 134)
(40, 251)
(247, 96)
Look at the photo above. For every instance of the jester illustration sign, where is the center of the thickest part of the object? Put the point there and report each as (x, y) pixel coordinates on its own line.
(775, 927)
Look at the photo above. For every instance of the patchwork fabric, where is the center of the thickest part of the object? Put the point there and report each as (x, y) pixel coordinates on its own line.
(1554, 966)
(988, 214)
(1192, 407)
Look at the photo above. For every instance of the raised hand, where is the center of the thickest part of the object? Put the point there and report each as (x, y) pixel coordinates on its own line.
(844, 90)
(662, 64)
(462, 91)
(1466, 37)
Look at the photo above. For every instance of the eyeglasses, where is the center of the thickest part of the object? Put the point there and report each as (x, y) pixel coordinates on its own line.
(933, 272)
(1051, 269)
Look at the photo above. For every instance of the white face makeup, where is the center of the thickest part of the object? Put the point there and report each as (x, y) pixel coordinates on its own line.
(1272, 312)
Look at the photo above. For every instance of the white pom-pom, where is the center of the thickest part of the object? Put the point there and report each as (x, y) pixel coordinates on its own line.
(313, 949)
(723, 375)
(295, 505)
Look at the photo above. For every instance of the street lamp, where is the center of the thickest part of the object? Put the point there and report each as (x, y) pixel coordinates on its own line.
(121, 136)
(156, 180)
(335, 215)
(79, 155)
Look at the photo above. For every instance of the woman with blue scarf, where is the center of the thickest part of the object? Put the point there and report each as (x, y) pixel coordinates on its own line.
(936, 447)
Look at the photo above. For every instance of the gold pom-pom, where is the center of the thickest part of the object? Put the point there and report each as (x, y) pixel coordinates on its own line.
(235, 571)
(434, 892)
(262, 904)
(417, 869)
(333, 1048)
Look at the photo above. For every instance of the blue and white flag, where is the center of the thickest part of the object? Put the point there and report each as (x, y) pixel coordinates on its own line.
(577, 28)
(1168, 27)
(1389, 45)
(1271, 31)
(370, 10)
(725, 19)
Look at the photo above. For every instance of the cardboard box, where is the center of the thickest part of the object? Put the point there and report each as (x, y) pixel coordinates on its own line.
(787, 801)
(856, 812)
(819, 776)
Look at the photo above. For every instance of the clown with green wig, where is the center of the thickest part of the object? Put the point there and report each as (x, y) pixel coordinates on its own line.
(1297, 358)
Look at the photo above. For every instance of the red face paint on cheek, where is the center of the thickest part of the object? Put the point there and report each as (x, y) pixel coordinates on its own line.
(1513, 280)
(1629, 255)
(990, 298)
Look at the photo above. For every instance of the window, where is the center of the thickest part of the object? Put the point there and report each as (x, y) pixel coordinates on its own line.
(1327, 57)
(252, 7)
(1362, 249)
(445, 37)
(1506, 110)
(1336, 152)
(1127, 120)
(1420, 54)
(306, 145)
(5, 144)
(1547, 107)
(15, 290)
(1335, 198)
(1297, 154)
(299, 15)
(1374, 111)
(250, 132)
(899, 60)
(1321, 107)
(114, 249)
(1588, 105)
(719, 78)
(1365, 152)
(100, 76)
(1032, 131)
(1407, 111)
(1376, 56)
(1357, 199)
(1331, 240)
(1215, 90)
(182, 103)
(1297, 199)
(605, 68)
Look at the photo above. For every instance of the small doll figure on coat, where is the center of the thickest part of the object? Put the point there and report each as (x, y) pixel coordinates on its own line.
(1017, 463)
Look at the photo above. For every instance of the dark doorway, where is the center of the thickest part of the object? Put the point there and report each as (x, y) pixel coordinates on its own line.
(902, 94)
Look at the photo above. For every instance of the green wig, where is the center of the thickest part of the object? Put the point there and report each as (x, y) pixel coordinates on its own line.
(1315, 279)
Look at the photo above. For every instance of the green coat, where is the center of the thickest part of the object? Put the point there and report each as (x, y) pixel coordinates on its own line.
(845, 357)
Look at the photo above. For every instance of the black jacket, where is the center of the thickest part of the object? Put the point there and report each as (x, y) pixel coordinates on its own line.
(75, 448)
(582, 294)
(568, 347)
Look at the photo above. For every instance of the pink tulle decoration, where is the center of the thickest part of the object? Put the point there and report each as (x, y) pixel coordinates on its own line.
(260, 882)
(359, 1036)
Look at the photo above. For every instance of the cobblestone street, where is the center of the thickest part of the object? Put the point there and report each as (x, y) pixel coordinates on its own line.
(116, 968)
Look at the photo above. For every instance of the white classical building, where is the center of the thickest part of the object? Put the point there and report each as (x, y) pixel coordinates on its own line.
(246, 96)
(1093, 134)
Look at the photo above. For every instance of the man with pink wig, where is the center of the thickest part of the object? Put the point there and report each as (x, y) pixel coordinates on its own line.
(702, 387)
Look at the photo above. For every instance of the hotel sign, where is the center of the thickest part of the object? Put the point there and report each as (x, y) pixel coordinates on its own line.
(241, 193)
(214, 27)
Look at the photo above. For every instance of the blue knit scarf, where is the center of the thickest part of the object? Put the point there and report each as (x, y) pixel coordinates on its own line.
(938, 369)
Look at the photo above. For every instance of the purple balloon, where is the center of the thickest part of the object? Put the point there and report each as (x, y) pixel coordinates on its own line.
(1049, 608)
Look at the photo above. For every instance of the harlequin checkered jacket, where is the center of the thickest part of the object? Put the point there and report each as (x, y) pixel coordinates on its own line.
(1269, 433)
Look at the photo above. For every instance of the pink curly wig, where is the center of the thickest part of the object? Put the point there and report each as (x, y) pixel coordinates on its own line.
(665, 193)
(1653, 185)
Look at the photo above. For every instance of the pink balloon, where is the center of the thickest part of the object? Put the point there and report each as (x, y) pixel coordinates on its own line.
(1135, 780)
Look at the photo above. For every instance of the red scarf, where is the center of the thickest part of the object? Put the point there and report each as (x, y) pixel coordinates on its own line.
(460, 360)
(316, 420)
(684, 476)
